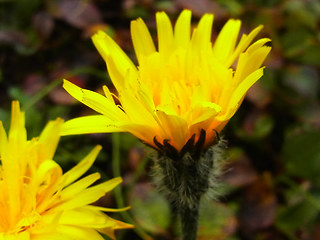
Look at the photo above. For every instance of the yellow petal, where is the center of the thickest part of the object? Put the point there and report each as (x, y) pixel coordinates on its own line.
(17, 129)
(176, 128)
(185, 86)
(165, 33)
(249, 62)
(48, 169)
(113, 54)
(243, 44)
(70, 232)
(90, 124)
(49, 139)
(108, 94)
(19, 236)
(3, 138)
(136, 110)
(86, 217)
(201, 38)
(108, 209)
(82, 167)
(182, 29)
(95, 101)
(89, 195)
(117, 225)
(239, 94)
(225, 42)
(204, 111)
(141, 38)
(258, 44)
(48, 175)
(77, 187)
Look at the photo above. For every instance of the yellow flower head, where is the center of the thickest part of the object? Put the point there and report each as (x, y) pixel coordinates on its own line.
(186, 86)
(38, 201)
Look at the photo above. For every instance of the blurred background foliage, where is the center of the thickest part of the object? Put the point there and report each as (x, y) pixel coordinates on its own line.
(271, 184)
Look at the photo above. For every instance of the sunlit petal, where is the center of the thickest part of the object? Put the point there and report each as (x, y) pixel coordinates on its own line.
(190, 84)
(38, 201)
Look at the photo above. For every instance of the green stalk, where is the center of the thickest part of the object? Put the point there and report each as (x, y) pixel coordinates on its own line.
(48, 88)
(189, 221)
(118, 190)
(184, 177)
(42, 93)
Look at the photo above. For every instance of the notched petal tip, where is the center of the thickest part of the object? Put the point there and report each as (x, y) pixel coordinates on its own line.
(99, 35)
(73, 89)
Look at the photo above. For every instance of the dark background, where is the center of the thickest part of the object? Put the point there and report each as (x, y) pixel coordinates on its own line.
(271, 185)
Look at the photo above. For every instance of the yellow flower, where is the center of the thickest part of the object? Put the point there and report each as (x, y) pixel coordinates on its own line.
(38, 201)
(185, 86)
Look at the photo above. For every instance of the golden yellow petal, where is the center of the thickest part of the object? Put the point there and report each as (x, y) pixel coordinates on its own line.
(243, 44)
(89, 195)
(175, 127)
(108, 209)
(239, 94)
(90, 124)
(48, 170)
(226, 41)
(86, 217)
(49, 139)
(108, 94)
(77, 187)
(203, 111)
(48, 175)
(165, 33)
(141, 38)
(17, 129)
(117, 61)
(18, 236)
(82, 167)
(249, 62)
(117, 225)
(256, 45)
(3, 138)
(136, 105)
(69, 232)
(95, 101)
(201, 38)
(185, 86)
(182, 29)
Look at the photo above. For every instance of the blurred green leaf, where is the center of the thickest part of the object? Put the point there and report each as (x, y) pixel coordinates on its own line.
(233, 6)
(16, 93)
(255, 127)
(136, 12)
(302, 156)
(311, 54)
(294, 217)
(217, 221)
(5, 117)
(149, 209)
(263, 126)
(304, 13)
(304, 80)
(127, 141)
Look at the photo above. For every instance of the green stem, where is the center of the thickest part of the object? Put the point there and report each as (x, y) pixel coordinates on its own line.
(118, 190)
(189, 221)
(42, 93)
(48, 88)
(138, 172)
